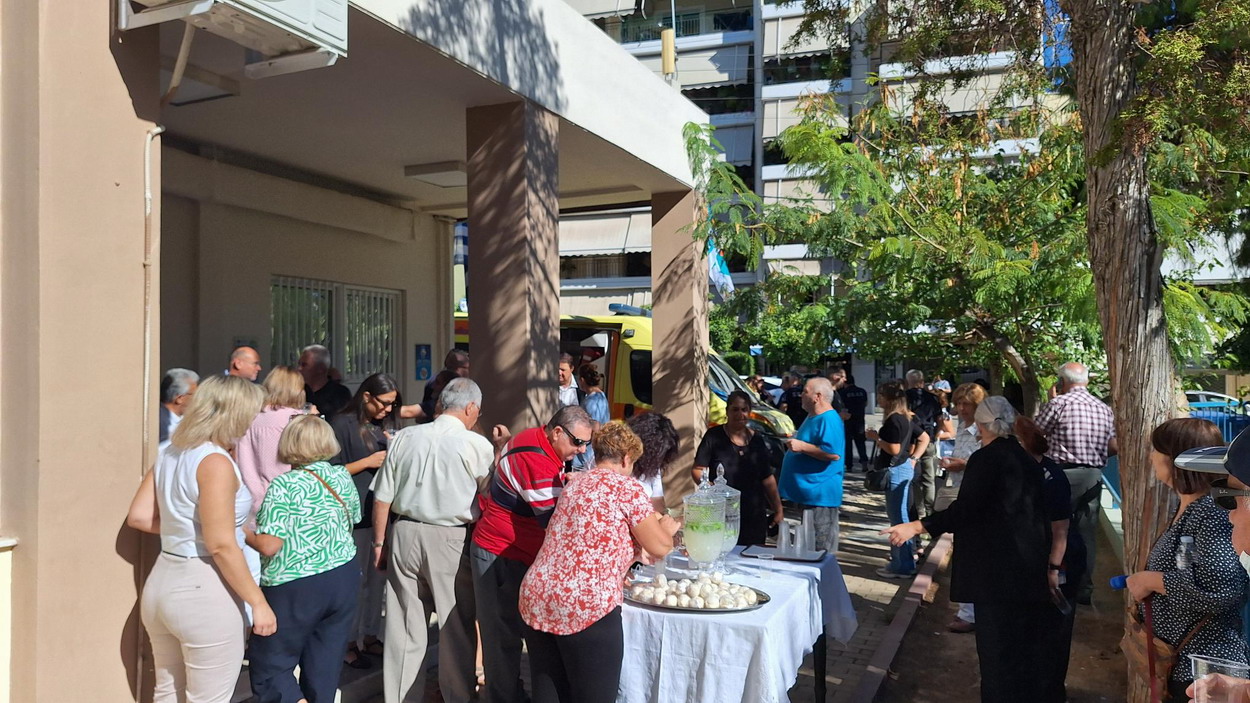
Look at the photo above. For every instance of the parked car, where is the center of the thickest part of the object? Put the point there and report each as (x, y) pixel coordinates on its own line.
(1229, 413)
(1213, 397)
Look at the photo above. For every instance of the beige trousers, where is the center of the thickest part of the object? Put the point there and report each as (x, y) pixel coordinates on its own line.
(197, 628)
(429, 571)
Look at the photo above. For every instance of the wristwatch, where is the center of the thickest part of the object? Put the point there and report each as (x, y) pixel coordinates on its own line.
(1055, 567)
(378, 544)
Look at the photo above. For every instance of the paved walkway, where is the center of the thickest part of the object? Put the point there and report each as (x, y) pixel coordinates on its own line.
(876, 599)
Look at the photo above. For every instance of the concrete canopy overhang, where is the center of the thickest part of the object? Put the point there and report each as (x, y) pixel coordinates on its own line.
(399, 99)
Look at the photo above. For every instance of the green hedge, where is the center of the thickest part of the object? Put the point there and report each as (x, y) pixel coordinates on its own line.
(741, 362)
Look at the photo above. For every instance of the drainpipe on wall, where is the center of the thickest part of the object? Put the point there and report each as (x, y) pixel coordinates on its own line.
(148, 240)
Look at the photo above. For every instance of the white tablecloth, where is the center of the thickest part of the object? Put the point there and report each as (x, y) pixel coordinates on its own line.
(751, 656)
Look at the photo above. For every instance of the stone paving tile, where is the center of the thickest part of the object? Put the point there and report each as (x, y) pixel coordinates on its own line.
(861, 552)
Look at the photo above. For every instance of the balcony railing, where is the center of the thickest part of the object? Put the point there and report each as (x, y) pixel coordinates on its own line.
(689, 24)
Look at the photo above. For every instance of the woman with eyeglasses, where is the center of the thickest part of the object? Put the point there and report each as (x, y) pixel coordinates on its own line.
(361, 429)
(1197, 599)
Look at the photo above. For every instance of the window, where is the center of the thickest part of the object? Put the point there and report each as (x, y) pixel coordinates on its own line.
(814, 67)
(640, 374)
(360, 326)
(724, 99)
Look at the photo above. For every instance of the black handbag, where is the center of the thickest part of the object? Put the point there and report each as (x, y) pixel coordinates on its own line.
(877, 480)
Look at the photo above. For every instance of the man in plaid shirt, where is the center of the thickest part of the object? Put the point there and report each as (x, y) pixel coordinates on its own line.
(1081, 432)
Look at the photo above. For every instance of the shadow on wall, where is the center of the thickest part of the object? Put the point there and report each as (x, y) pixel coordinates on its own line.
(517, 50)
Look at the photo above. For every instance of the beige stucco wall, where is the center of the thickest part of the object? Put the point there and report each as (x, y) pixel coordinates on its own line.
(219, 260)
(76, 106)
(797, 189)
(6, 610)
(596, 302)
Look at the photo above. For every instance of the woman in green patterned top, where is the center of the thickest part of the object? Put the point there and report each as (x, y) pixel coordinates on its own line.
(309, 572)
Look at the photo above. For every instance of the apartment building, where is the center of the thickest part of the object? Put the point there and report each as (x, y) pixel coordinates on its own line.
(267, 205)
(739, 61)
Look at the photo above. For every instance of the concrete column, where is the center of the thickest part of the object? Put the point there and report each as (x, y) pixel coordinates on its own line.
(77, 102)
(514, 261)
(679, 364)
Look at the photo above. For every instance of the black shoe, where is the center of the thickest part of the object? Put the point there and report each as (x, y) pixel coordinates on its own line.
(1085, 598)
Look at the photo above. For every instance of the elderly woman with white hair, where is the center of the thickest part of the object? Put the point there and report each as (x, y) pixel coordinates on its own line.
(1001, 565)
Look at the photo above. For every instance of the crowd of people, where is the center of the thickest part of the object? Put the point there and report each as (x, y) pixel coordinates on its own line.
(333, 524)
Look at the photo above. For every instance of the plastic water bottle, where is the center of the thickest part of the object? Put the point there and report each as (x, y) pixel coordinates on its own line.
(1185, 553)
(1120, 582)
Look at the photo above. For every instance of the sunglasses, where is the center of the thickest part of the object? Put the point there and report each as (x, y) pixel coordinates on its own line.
(383, 403)
(1224, 496)
(577, 441)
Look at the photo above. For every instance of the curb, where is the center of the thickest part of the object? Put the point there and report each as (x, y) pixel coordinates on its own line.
(870, 684)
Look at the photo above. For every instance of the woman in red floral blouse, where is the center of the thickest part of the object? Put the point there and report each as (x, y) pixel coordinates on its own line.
(571, 597)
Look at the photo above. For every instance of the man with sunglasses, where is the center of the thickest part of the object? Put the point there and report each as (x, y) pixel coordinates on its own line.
(524, 487)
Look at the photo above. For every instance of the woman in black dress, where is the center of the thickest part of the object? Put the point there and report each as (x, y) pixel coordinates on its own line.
(1001, 524)
(361, 429)
(748, 468)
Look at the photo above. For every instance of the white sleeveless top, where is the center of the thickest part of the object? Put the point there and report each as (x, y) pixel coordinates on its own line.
(178, 495)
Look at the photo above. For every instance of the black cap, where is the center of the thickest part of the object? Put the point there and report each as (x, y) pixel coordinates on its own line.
(1233, 459)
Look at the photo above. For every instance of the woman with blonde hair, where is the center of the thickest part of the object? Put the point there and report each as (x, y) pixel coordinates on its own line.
(571, 596)
(311, 575)
(900, 441)
(967, 397)
(195, 499)
(257, 451)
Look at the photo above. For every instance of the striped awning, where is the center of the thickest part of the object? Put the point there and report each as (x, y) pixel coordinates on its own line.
(602, 234)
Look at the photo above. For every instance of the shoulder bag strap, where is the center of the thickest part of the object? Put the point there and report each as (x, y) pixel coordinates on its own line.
(1193, 632)
(331, 490)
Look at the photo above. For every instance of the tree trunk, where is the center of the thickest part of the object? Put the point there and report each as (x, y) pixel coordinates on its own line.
(1025, 370)
(1125, 256)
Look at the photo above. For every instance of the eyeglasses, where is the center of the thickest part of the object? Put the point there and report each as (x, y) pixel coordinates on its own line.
(577, 441)
(1224, 496)
(383, 403)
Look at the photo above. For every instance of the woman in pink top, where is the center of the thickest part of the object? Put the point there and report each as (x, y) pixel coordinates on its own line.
(258, 449)
(571, 596)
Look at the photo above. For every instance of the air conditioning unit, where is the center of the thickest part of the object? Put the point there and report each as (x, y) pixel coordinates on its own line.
(290, 34)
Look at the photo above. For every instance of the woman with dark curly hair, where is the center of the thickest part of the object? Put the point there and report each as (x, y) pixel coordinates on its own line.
(659, 443)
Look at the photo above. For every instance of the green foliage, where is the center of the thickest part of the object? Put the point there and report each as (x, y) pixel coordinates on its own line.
(727, 209)
(956, 252)
(787, 314)
(741, 362)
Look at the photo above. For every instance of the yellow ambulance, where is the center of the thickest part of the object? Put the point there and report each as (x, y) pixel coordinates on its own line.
(619, 345)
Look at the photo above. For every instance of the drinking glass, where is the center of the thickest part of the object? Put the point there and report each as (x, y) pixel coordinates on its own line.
(1208, 688)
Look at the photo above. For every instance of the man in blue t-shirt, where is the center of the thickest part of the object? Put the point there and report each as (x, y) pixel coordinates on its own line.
(811, 473)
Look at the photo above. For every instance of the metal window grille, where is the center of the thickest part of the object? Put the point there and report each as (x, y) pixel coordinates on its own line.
(301, 312)
(371, 334)
(360, 326)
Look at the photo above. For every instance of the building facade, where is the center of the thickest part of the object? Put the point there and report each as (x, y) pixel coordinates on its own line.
(143, 227)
